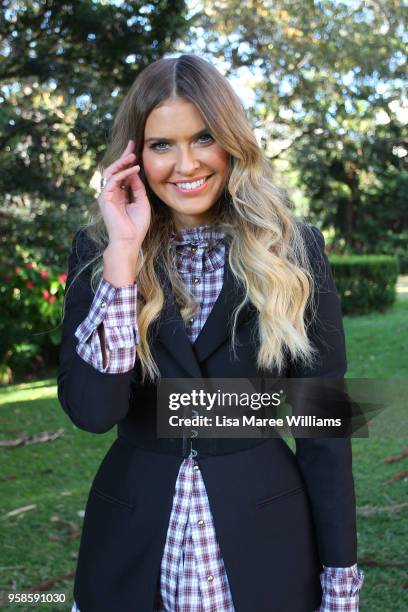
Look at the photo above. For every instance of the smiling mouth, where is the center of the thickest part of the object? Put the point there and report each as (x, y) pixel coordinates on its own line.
(192, 186)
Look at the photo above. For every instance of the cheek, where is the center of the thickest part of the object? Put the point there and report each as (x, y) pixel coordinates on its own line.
(155, 169)
(219, 159)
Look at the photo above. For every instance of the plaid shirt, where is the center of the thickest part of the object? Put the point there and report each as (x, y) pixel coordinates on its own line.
(193, 576)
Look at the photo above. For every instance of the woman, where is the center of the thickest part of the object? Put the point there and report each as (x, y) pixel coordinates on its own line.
(228, 284)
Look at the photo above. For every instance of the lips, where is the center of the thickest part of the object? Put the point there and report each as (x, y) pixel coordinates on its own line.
(196, 189)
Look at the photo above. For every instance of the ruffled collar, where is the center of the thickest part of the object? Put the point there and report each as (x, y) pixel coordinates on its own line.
(205, 242)
(200, 236)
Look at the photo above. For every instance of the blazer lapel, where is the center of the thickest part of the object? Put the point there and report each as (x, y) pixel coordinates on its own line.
(172, 333)
(217, 328)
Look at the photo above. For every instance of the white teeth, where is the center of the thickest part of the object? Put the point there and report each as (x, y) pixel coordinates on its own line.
(192, 185)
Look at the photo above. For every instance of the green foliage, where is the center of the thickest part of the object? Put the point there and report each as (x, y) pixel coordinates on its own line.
(329, 85)
(64, 66)
(381, 225)
(327, 98)
(31, 297)
(365, 283)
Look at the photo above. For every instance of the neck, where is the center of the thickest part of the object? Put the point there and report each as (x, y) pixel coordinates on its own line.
(186, 222)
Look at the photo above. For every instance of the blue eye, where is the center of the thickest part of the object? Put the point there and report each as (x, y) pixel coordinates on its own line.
(206, 136)
(156, 146)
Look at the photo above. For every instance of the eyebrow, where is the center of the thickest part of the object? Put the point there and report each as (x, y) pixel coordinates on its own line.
(200, 133)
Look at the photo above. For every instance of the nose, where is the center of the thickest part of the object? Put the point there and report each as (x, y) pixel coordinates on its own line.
(187, 161)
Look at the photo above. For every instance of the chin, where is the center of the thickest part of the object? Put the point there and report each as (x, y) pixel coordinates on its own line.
(190, 210)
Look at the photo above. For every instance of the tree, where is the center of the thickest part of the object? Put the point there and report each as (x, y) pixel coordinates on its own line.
(64, 65)
(328, 78)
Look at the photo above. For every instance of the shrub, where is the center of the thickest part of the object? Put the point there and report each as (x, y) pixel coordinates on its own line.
(30, 302)
(365, 283)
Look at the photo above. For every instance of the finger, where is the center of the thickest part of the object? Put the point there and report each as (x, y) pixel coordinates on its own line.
(129, 148)
(117, 178)
(135, 182)
(118, 165)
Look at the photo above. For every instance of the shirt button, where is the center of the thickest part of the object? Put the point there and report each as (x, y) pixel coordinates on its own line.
(196, 467)
(210, 578)
(200, 523)
(196, 280)
(103, 305)
(191, 321)
(193, 249)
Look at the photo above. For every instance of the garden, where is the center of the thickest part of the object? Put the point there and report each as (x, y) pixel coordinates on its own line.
(323, 91)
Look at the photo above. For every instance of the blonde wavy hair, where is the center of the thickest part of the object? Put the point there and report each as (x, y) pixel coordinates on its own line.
(267, 251)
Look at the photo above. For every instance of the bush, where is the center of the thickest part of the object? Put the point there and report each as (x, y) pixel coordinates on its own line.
(365, 283)
(31, 299)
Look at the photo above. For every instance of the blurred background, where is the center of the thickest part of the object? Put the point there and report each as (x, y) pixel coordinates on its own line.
(324, 86)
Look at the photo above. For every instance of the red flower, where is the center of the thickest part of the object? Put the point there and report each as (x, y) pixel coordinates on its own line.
(29, 265)
(30, 284)
(46, 294)
(52, 299)
(44, 273)
(62, 277)
(17, 269)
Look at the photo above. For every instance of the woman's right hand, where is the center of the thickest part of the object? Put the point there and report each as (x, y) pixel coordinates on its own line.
(127, 221)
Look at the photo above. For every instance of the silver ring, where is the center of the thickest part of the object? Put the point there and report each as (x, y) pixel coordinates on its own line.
(104, 181)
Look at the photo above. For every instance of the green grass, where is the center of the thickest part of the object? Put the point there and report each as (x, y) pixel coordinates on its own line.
(56, 476)
(377, 344)
(377, 347)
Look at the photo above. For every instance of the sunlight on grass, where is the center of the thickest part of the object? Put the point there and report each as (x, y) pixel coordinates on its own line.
(23, 393)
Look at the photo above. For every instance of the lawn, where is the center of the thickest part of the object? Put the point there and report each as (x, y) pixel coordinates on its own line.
(41, 543)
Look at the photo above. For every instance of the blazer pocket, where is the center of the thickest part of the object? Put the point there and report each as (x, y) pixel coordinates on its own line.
(273, 498)
(112, 500)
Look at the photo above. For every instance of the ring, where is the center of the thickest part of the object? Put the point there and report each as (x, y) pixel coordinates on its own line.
(104, 181)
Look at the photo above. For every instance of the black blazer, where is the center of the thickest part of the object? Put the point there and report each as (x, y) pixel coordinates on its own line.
(278, 515)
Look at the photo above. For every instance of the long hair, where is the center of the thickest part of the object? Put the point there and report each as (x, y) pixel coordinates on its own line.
(267, 251)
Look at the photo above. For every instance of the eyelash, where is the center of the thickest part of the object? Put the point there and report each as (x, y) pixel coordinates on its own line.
(155, 144)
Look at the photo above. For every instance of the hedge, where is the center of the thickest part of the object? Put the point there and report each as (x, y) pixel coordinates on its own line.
(365, 283)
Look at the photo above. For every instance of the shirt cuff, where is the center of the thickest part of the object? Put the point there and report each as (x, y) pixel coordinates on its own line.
(341, 588)
(116, 307)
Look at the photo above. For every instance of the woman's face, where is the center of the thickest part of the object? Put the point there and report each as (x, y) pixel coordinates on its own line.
(178, 151)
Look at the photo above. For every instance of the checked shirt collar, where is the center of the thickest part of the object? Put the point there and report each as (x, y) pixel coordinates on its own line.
(201, 242)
